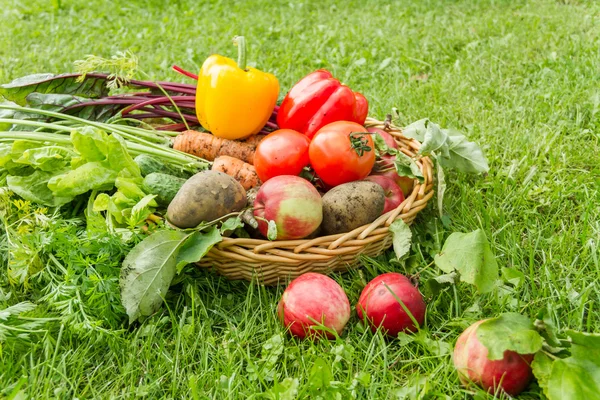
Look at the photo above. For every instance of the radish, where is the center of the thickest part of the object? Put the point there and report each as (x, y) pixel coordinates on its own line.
(313, 301)
(511, 374)
(385, 302)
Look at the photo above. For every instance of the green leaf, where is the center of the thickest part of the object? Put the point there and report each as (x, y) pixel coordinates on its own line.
(585, 342)
(542, 368)
(401, 237)
(452, 148)
(266, 367)
(91, 143)
(435, 140)
(416, 130)
(18, 90)
(380, 146)
(509, 331)
(5, 153)
(94, 220)
(148, 271)
(441, 188)
(141, 211)
(231, 224)
(6, 114)
(120, 160)
(513, 276)
(21, 146)
(12, 326)
(577, 376)
(16, 309)
(196, 247)
(35, 188)
(103, 159)
(46, 158)
(436, 347)
(546, 327)
(52, 101)
(406, 166)
(435, 285)
(471, 256)
(415, 389)
(284, 390)
(464, 156)
(130, 188)
(93, 175)
(320, 377)
(70, 104)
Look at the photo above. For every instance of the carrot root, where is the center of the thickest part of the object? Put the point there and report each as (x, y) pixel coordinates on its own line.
(209, 147)
(241, 171)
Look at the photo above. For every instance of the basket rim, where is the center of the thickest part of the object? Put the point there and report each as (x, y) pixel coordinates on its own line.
(412, 204)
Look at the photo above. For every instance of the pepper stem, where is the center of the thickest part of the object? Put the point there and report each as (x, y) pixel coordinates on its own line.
(240, 42)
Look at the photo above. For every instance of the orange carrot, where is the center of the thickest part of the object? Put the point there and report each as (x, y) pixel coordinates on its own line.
(242, 172)
(253, 140)
(209, 147)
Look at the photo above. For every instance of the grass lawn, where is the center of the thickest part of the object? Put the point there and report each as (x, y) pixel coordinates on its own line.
(518, 77)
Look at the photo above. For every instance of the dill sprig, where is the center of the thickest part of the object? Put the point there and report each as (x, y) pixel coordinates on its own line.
(121, 67)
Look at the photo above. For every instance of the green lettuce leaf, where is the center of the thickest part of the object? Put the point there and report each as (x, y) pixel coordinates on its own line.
(91, 143)
(90, 176)
(46, 158)
(34, 188)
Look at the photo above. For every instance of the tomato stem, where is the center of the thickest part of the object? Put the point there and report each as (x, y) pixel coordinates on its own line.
(240, 42)
(359, 142)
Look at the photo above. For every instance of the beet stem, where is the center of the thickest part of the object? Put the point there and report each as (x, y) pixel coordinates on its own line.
(184, 72)
(158, 100)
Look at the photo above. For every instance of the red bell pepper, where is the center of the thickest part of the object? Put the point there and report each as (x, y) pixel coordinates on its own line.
(317, 100)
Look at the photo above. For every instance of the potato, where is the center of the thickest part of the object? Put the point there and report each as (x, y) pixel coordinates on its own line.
(206, 196)
(353, 204)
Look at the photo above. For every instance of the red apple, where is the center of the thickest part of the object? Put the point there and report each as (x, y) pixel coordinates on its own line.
(380, 305)
(405, 183)
(511, 374)
(393, 194)
(389, 139)
(310, 300)
(292, 202)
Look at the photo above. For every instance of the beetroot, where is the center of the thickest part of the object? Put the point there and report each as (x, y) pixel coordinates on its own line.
(310, 300)
(382, 308)
(511, 374)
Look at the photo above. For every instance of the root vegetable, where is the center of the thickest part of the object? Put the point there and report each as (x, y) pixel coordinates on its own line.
(353, 204)
(209, 147)
(242, 172)
(206, 196)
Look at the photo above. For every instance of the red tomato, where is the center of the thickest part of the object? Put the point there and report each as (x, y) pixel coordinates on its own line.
(342, 152)
(283, 152)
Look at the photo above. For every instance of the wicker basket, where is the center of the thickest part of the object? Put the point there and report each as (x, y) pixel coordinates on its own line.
(271, 261)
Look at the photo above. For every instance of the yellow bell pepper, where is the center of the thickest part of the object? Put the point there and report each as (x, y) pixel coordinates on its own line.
(234, 101)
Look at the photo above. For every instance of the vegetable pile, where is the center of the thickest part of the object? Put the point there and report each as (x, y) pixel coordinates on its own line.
(166, 170)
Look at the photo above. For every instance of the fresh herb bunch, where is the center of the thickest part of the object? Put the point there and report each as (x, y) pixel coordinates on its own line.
(56, 272)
